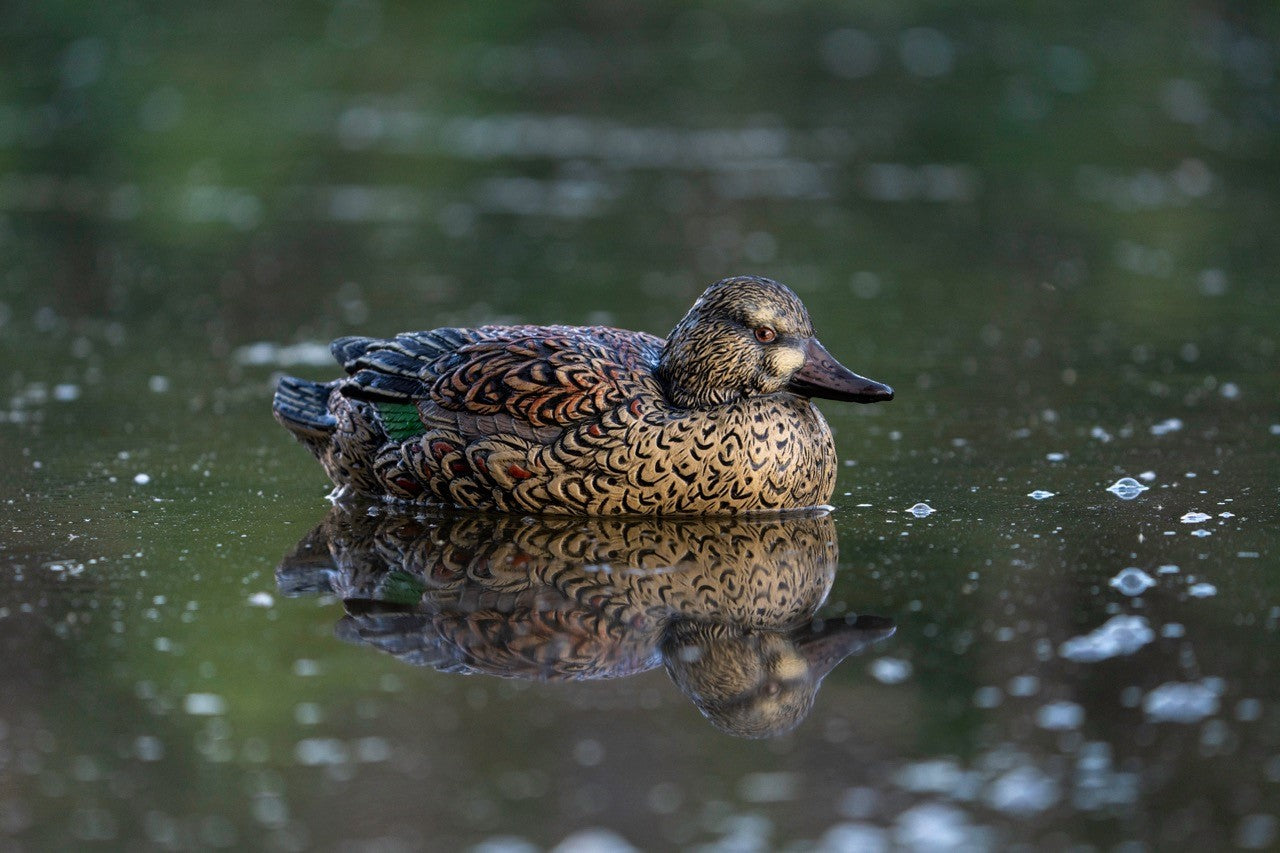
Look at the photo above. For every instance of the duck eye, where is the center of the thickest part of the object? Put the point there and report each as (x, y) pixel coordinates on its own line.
(766, 335)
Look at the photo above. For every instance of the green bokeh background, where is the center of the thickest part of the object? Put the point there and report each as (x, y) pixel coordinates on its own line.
(1033, 221)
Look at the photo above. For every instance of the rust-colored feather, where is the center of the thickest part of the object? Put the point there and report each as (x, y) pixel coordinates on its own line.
(546, 376)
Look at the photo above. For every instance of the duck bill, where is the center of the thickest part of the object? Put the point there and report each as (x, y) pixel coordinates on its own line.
(823, 376)
(825, 648)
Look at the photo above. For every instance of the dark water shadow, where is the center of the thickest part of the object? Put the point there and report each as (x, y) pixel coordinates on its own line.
(727, 606)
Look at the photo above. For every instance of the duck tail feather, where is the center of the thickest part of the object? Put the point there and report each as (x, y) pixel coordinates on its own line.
(302, 407)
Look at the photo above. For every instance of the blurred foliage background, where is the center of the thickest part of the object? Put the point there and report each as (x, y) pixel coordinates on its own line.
(1050, 226)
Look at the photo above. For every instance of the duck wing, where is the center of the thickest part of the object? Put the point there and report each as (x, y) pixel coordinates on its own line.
(532, 381)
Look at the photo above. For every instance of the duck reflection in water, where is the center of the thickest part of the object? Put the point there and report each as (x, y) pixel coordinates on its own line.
(726, 605)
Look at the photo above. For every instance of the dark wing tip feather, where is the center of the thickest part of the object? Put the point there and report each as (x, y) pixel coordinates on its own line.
(375, 386)
(349, 349)
(303, 407)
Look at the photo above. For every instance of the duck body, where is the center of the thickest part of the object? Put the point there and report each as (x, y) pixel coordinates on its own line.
(714, 420)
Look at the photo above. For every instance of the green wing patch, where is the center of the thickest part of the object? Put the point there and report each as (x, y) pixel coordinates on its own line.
(402, 587)
(400, 420)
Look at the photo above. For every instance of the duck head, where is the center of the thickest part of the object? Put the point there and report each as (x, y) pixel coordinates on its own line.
(749, 336)
(761, 683)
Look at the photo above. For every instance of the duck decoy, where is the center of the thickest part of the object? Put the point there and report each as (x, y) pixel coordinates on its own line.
(715, 420)
(725, 605)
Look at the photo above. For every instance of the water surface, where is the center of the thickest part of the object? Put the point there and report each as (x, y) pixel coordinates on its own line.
(1052, 233)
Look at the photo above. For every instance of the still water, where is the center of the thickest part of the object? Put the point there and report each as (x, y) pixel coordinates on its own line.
(1044, 610)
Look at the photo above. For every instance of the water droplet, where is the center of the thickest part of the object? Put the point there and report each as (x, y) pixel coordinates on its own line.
(204, 704)
(1060, 716)
(1181, 702)
(66, 392)
(890, 670)
(1127, 488)
(1132, 581)
(1119, 635)
(922, 510)
(1257, 831)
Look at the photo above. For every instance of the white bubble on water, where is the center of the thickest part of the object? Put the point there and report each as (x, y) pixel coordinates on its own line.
(1202, 590)
(936, 826)
(1055, 456)
(1147, 476)
(1040, 495)
(1249, 710)
(1181, 702)
(306, 668)
(987, 697)
(1023, 790)
(316, 751)
(1132, 581)
(1127, 488)
(936, 775)
(1167, 426)
(922, 510)
(890, 670)
(1195, 517)
(855, 836)
(66, 392)
(1167, 569)
(148, 748)
(1202, 533)
(142, 479)
(261, 599)
(204, 704)
(1257, 831)
(1023, 685)
(1213, 282)
(267, 354)
(1119, 635)
(1060, 716)
(308, 714)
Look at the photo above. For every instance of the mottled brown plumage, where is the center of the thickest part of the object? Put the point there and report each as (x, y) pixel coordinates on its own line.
(588, 420)
(725, 605)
